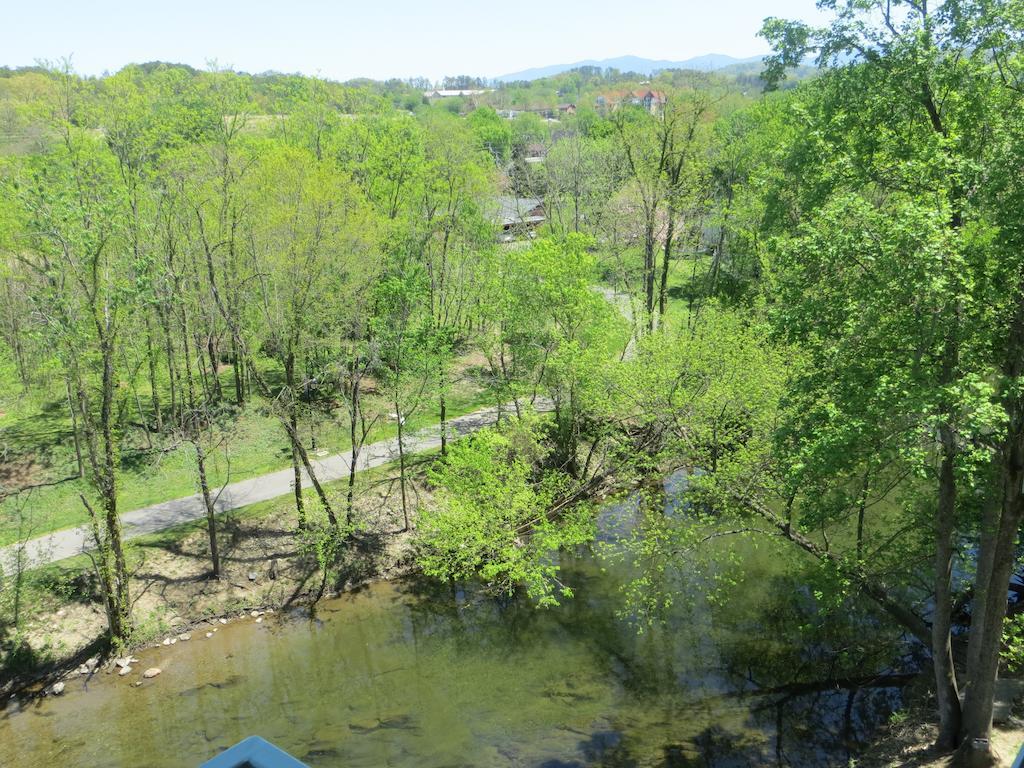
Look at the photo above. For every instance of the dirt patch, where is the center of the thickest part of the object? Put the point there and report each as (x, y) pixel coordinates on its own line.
(907, 741)
(21, 472)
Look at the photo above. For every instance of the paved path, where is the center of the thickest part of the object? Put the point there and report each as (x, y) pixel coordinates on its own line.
(74, 541)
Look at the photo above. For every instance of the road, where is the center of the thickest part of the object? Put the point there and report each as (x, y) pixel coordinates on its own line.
(60, 545)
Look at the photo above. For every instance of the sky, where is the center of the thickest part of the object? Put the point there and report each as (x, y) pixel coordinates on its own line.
(380, 38)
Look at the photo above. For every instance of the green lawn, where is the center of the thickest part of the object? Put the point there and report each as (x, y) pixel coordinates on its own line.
(36, 438)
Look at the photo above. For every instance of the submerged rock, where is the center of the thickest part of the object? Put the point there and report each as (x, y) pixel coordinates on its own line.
(151, 672)
(124, 671)
(184, 636)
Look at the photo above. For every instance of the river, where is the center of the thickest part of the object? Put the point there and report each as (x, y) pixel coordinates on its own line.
(418, 674)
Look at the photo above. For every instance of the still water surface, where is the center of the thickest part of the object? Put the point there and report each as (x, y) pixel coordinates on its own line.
(414, 674)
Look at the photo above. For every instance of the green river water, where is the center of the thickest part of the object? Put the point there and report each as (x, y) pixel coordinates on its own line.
(417, 674)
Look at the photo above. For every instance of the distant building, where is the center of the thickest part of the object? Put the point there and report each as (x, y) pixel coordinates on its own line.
(652, 101)
(519, 217)
(535, 153)
(441, 93)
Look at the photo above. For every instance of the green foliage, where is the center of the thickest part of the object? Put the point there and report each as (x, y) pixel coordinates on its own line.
(496, 516)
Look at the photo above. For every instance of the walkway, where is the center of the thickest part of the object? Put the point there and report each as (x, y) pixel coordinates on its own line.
(60, 545)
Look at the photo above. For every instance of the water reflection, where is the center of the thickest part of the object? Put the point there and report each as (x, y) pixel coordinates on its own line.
(427, 674)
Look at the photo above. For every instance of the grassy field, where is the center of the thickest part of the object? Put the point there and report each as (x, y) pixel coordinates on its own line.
(38, 454)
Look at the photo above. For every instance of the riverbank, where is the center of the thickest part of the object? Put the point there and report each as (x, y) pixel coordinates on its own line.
(908, 738)
(266, 564)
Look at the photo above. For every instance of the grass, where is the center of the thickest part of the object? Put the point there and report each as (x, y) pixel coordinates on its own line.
(38, 449)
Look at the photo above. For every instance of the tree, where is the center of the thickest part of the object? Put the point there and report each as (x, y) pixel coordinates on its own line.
(74, 246)
(498, 517)
(907, 141)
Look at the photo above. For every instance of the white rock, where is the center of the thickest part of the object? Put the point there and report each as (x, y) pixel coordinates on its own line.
(124, 671)
(167, 641)
(184, 636)
(57, 688)
(254, 614)
(259, 619)
(223, 620)
(209, 634)
(123, 662)
(174, 640)
(151, 672)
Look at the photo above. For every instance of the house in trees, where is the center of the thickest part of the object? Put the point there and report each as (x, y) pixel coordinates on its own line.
(518, 217)
(452, 93)
(535, 152)
(651, 101)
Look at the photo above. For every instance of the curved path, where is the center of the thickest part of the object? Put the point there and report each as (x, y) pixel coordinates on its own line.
(60, 545)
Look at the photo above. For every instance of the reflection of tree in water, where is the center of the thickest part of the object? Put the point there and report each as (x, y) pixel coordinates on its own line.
(758, 675)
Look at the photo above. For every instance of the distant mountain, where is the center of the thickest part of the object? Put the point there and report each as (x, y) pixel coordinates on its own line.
(709, 62)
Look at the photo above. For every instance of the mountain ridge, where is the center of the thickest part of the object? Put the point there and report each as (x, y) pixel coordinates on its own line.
(707, 62)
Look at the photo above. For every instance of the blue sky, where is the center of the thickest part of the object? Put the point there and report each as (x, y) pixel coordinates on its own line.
(380, 38)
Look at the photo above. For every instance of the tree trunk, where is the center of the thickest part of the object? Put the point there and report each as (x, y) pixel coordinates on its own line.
(401, 467)
(238, 373)
(293, 420)
(74, 431)
(158, 420)
(666, 253)
(354, 443)
(211, 350)
(996, 558)
(211, 519)
(946, 693)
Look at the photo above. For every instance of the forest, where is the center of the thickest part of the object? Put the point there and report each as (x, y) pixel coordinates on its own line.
(807, 293)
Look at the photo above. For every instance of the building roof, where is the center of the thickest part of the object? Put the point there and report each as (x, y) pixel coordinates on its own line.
(442, 93)
(520, 210)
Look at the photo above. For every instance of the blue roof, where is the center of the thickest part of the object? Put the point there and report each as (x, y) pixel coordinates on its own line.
(253, 752)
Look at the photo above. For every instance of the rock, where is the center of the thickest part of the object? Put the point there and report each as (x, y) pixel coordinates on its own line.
(251, 575)
(184, 636)
(254, 614)
(223, 620)
(215, 629)
(123, 662)
(124, 671)
(92, 663)
(62, 613)
(1008, 690)
(259, 619)
(137, 683)
(209, 635)
(83, 670)
(57, 688)
(174, 640)
(167, 641)
(151, 672)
